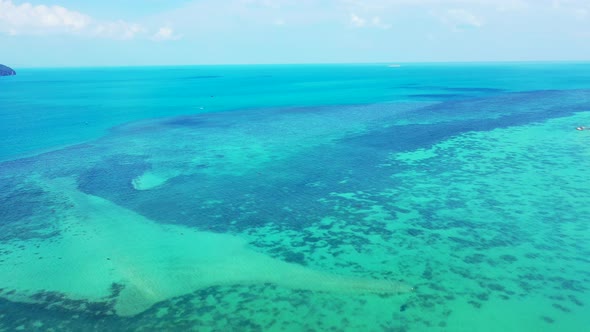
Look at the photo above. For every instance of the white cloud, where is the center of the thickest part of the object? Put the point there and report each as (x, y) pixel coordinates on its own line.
(578, 9)
(461, 18)
(29, 19)
(165, 33)
(374, 22)
(581, 13)
(115, 30)
(357, 21)
(499, 5)
(279, 22)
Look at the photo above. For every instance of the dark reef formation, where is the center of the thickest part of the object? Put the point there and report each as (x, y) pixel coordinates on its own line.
(6, 71)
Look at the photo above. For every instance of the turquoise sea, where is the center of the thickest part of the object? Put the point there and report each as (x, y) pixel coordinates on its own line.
(420, 197)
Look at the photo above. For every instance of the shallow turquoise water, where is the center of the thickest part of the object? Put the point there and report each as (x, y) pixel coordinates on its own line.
(347, 198)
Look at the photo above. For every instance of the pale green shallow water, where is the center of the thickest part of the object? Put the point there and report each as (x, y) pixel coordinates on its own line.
(463, 213)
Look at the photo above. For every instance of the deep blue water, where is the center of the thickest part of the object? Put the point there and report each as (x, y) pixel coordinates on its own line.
(45, 108)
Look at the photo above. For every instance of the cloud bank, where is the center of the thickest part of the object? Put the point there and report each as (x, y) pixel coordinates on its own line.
(30, 19)
(165, 33)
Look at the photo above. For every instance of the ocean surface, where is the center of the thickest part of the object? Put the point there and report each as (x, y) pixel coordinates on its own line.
(424, 197)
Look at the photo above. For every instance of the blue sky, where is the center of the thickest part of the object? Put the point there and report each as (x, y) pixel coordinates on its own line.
(44, 33)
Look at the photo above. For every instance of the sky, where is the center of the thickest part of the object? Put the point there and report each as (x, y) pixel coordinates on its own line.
(57, 33)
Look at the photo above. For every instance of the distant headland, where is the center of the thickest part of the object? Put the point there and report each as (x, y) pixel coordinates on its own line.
(6, 71)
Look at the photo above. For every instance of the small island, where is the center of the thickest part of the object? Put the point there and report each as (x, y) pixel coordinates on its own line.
(6, 71)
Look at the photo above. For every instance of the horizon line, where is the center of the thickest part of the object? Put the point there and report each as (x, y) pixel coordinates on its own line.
(385, 63)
